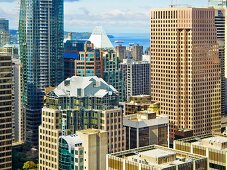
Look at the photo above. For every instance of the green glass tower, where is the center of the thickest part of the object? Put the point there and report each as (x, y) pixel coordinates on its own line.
(41, 34)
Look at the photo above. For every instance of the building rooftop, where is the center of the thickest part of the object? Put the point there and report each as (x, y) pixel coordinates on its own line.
(217, 139)
(141, 116)
(144, 119)
(11, 46)
(100, 39)
(157, 156)
(157, 153)
(217, 142)
(91, 131)
(132, 61)
(83, 87)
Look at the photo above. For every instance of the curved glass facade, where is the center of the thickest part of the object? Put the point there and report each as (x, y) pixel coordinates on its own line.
(64, 155)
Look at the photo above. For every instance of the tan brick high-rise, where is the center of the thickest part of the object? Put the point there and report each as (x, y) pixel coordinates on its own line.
(185, 69)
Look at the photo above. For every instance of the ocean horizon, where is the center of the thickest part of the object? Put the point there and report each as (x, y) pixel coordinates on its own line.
(131, 38)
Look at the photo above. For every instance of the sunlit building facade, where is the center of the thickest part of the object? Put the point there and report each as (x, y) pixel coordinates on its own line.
(79, 103)
(185, 69)
(155, 157)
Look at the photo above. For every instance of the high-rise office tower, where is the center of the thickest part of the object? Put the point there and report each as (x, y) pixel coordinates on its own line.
(4, 32)
(136, 77)
(5, 111)
(220, 10)
(185, 69)
(41, 34)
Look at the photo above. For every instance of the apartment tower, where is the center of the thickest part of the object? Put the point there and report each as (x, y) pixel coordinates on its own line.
(41, 34)
(136, 78)
(185, 69)
(5, 111)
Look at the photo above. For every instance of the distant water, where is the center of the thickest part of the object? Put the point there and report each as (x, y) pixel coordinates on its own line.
(141, 39)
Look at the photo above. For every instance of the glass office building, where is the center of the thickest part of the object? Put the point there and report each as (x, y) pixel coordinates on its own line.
(41, 53)
(218, 3)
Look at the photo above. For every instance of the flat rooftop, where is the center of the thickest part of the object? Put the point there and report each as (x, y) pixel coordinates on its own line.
(91, 131)
(217, 142)
(158, 153)
(150, 155)
(216, 139)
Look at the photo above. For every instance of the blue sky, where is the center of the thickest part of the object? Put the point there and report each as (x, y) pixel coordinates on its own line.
(116, 16)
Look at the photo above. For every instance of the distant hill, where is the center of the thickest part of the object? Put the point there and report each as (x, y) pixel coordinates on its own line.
(76, 35)
(83, 35)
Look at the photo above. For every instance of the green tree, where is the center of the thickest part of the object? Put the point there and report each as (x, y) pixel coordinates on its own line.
(29, 165)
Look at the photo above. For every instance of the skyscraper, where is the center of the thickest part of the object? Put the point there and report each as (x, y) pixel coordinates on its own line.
(41, 34)
(5, 111)
(185, 69)
(220, 10)
(4, 32)
(136, 78)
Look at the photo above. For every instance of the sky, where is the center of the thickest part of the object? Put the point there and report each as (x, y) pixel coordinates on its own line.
(116, 16)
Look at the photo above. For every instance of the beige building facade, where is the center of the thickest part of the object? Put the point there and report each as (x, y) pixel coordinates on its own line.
(112, 122)
(49, 134)
(185, 70)
(95, 146)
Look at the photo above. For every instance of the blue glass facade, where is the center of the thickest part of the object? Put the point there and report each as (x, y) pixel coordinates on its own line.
(41, 34)
(72, 48)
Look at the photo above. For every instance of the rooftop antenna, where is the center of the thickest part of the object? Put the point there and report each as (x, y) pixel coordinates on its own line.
(218, 3)
(174, 3)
